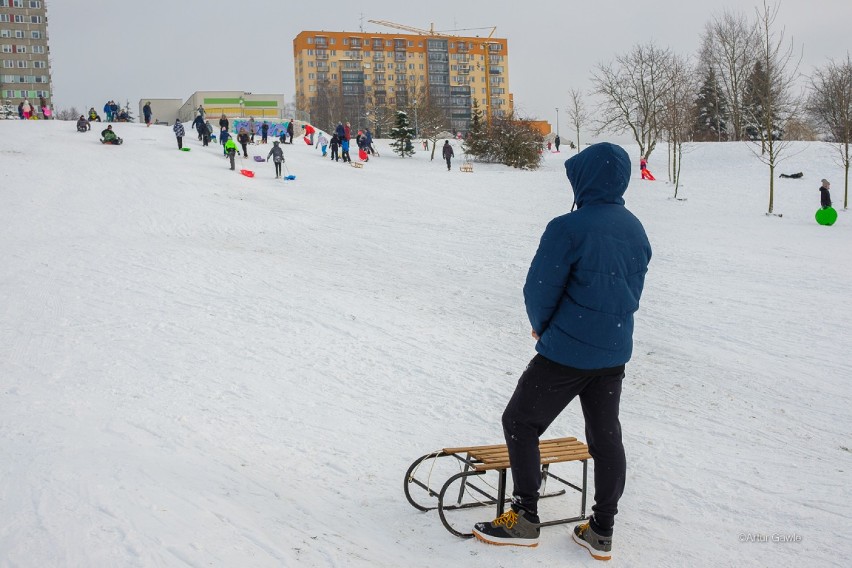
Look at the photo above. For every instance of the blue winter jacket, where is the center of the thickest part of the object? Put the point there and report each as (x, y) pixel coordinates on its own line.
(586, 278)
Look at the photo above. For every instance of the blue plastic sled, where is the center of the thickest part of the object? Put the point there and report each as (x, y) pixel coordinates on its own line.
(290, 177)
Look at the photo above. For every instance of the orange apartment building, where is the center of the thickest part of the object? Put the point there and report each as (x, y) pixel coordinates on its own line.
(353, 76)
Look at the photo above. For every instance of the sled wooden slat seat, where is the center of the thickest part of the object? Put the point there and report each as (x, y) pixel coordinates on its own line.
(477, 461)
(466, 167)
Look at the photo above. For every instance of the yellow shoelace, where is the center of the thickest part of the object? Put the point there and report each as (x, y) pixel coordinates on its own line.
(509, 518)
(582, 529)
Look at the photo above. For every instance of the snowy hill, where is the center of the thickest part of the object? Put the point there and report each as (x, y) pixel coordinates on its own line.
(202, 369)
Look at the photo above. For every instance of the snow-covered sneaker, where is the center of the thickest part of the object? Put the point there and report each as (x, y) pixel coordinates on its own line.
(510, 528)
(599, 546)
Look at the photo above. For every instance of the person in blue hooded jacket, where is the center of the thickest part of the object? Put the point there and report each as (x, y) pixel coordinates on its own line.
(581, 292)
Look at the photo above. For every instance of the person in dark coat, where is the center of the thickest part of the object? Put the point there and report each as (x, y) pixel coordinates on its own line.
(204, 130)
(277, 155)
(83, 124)
(179, 133)
(290, 130)
(581, 292)
(368, 141)
(825, 194)
(340, 131)
(223, 122)
(556, 142)
(344, 151)
(147, 114)
(447, 152)
(197, 124)
(224, 136)
(244, 138)
(335, 143)
(264, 132)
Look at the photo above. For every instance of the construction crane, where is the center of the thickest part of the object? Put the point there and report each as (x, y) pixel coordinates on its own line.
(431, 31)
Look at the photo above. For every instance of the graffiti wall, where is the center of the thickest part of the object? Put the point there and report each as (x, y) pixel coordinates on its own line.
(275, 128)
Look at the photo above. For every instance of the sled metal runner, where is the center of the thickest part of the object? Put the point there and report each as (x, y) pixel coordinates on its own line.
(478, 461)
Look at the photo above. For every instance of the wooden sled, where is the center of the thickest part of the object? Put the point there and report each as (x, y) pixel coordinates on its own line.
(474, 490)
(466, 168)
(356, 165)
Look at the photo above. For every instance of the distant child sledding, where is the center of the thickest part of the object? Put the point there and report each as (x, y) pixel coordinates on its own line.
(646, 173)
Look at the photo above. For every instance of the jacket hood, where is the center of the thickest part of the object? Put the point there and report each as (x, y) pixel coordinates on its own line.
(599, 174)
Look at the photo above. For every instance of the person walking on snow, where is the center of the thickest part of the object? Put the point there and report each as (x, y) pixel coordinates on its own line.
(581, 292)
(322, 142)
(277, 157)
(197, 123)
(264, 132)
(231, 151)
(146, 113)
(179, 133)
(252, 128)
(344, 151)
(243, 138)
(825, 194)
(447, 152)
(556, 142)
(290, 130)
(643, 166)
(335, 142)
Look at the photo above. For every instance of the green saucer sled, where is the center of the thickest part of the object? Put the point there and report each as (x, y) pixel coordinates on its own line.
(185, 149)
(826, 216)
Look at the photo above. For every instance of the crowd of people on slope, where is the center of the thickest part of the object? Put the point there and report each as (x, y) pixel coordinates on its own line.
(30, 111)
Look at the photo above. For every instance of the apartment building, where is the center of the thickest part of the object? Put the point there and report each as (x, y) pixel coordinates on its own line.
(358, 76)
(24, 52)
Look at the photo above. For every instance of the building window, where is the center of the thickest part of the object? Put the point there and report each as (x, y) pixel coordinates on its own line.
(40, 64)
(19, 34)
(36, 20)
(4, 18)
(17, 3)
(20, 49)
(8, 63)
(310, 41)
(19, 18)
(38, 49)
(6, 48)
(22, 64)
(5, 33)
(35, 4)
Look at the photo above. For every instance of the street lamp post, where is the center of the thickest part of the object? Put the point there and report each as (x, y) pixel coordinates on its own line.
(557, 121)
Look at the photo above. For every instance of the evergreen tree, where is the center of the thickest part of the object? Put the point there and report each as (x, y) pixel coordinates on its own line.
(402, 135)
(477, 145)
(759, 94)
(711, 109)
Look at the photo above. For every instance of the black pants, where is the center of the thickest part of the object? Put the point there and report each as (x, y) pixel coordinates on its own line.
(231, 155)
(449, 167)
(334, 153)
(245, 149)
(345, 156)
(180, 142)
(543, 391)
(206, 139)
(277, 169)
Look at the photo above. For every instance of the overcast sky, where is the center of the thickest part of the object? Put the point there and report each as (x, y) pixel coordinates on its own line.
(103, 49)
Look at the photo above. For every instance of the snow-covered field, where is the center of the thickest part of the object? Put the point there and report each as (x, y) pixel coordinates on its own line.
(202, 369)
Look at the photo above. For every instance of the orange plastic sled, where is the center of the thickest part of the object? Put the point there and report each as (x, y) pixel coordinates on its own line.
(646, 174)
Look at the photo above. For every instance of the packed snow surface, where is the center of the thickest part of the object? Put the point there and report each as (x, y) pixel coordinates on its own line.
(202, 369)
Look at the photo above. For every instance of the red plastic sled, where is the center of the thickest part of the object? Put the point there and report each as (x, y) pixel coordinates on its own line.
(247, 173)
(362, 155)
(307, 140)
(648, 175)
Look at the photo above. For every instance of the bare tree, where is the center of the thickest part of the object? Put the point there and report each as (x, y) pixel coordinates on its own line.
(577, 113)
(771, 95)
(431, 119)
(678, 112)
(632, 90)
(731, 44)
(830, 104)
